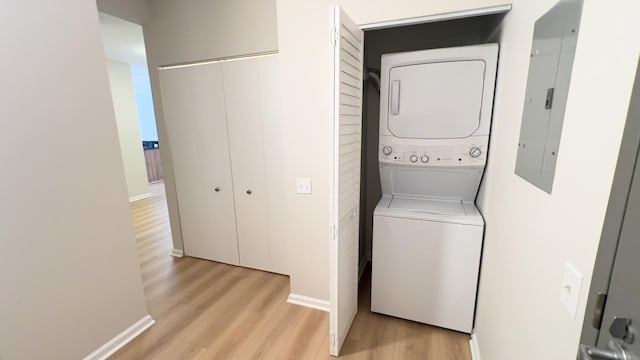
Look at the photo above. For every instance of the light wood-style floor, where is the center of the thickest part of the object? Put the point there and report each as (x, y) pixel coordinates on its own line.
(208, 310)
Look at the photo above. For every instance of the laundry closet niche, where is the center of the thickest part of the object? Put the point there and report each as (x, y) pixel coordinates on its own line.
(432, 35)
(224, 126)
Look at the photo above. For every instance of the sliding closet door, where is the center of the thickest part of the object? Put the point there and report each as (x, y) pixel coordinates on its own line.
(194, 114)
(244, 85)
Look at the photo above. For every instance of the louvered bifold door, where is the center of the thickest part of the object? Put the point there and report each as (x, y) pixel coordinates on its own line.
(347, 46)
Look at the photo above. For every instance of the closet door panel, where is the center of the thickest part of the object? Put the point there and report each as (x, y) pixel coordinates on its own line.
(244, 116)
(194, 115)
(273, 130)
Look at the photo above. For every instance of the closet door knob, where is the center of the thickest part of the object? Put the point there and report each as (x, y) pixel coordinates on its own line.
(217, 189)
(249, 192)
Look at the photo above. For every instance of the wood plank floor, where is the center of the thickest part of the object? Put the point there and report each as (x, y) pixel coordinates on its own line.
(208, 310)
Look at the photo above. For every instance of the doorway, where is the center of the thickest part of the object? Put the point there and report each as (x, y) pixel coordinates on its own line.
(355, 47)
(450, 33)
(124, 49)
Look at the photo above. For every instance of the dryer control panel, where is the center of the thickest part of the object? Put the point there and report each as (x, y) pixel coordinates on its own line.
(472, 154)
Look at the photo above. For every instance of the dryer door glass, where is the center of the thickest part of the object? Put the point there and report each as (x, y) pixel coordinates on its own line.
(438, 100)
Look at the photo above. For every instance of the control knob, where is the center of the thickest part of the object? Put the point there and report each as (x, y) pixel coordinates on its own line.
(475, 151)
(413, 158)
(424, 158)
(387, 150)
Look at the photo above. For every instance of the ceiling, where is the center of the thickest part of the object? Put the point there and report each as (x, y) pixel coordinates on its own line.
(122, 40)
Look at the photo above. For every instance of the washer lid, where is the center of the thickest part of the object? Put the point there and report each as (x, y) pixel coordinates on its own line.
(436, 100)
(438, 207)
(430, 210)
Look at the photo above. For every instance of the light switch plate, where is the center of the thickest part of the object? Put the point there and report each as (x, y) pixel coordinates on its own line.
(303, 185)
(571, 287)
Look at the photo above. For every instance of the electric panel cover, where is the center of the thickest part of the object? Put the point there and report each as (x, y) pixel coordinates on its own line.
(552, 53)
(437, 100)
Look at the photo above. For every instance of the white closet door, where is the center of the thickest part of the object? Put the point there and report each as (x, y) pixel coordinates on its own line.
(194, 114)
(243, 82)
(274, 153)
(347, 122)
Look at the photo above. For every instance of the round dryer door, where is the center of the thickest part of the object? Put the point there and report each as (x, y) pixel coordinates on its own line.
(437, 100)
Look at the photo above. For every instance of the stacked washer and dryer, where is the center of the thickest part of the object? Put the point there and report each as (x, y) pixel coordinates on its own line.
(435, 117)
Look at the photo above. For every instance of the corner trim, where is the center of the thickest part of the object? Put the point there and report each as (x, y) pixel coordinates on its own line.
(122, 339)
(139, 197)
(309, 302)
(474, 347)
(177, 253)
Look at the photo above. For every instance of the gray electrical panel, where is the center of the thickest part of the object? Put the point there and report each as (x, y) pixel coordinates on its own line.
(554, 45)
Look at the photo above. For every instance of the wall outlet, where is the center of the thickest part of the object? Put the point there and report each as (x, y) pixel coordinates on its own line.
(303, 185)
(571, 287)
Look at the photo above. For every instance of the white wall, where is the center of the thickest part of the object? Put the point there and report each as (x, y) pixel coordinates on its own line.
(181, 31)
(124, 104)
(136, 11)
(70, 278)
(305, 54)
(531, 234)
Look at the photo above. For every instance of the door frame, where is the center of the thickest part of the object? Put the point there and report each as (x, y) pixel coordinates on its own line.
(616, 208)
(498, 9)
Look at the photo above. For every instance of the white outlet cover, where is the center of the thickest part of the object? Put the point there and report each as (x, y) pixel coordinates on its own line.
(571, 288)
(303, 185)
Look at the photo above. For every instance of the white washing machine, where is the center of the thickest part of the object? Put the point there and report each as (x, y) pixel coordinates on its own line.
(435, 117)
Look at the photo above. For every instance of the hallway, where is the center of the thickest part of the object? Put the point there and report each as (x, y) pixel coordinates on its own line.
(209, 310)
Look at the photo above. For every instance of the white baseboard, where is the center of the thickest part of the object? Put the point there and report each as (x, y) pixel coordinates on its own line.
(122, 339)
(177, 253)
(475, 348)
(139, 197)
(308, 302)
